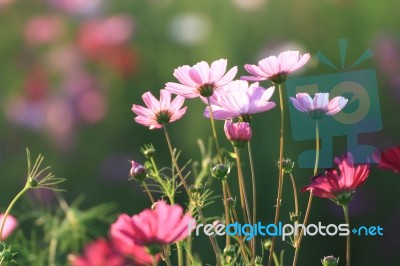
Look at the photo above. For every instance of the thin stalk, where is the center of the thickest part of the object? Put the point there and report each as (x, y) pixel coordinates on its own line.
(190, 258)
(180, 254)
(296, 253)
(242, 189)
(22, 192)
(346, 217)
(253, 181)
(165, 256)
(212, 239)
(280, 180)
(224, 184)
(296, 204)
(53, 251)
(226, 209)
(214, 131)
(316, 147)
(148, 193)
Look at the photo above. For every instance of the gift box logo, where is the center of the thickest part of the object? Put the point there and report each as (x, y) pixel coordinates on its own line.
(361, 114)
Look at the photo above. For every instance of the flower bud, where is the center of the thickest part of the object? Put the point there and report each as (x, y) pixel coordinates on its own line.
(221, 171)
(294, 217)
(231, 202)
(238, 133)
(267, 244)
(6, 255)
(33, 182)
(148, 151)
(330, 261)
(287, 165)
(229, 254)
(138, 172)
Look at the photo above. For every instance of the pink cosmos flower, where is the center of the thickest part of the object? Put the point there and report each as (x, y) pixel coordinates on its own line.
(239, 133)
(320, 105)
(238, 99)
(165, 224)
(276, 68)
(339, 186)
(9, 226)
(201, 79)
(120, 234)
(389, 159)
(43, 29)
(159, 113)
(98, 253)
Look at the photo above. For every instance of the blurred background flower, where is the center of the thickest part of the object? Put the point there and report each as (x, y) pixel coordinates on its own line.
(70, 71)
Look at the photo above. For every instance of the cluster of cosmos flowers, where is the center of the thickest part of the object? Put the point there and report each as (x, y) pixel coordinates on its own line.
(146, 238)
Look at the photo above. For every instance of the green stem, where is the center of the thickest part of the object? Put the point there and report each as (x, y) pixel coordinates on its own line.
(25, 189)
(316, 147)
(346, 217)
(160, 180)
(224, 184)
(148, 193)
(214, 131)
(296, 253)
(226, 209)
(253, 181)
(296, 202)
(53, 251)
(280, 180)
(180, 254)
(242, 189)
(212, 239)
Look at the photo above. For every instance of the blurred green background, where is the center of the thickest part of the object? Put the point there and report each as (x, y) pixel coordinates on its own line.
(70, 71)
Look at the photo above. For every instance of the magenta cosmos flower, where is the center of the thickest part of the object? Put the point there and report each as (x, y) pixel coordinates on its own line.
(159, 113)
(238, 99)
(201, 79)
(9, 226)
(275, 68)
(165, 224)
(339, 186)
(98, 253)
(120, 236)
(238, 133)
(320, 105)
(389, 159)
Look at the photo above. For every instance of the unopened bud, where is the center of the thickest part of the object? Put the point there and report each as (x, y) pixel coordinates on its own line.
(138, 172)
(148, 151)
(287, 165)
(220, 171)
(267, 244)
(231, 202)
(330, 261)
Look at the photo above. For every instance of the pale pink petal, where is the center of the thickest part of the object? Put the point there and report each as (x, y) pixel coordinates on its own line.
(165, 100)
(302, 61)
(178, 114)
(183, 90)
(142, 111)
(217, 70)
(336, 105)
(182, 74)
(151, 102)
(228, 77)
